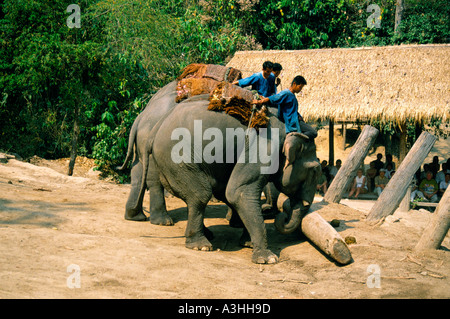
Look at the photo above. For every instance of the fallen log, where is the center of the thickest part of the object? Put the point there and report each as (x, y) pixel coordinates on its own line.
(320, 232)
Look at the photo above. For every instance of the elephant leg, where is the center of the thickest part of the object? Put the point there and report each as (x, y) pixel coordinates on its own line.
(196, 233)
(236, 222)
(158, 210)
(133, 207)
(247, 203)
(269, 208)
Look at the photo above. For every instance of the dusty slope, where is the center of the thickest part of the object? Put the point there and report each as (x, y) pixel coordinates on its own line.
(49, 221)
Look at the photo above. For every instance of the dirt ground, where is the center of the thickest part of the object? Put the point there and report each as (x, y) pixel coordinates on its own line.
(55, 229)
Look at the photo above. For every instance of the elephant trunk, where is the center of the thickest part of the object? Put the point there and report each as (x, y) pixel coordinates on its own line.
(281, 223)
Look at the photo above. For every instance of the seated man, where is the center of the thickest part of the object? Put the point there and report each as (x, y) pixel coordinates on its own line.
(262, 82)
(288, 109)
(322, 184)
(444, 184)
(381, 182)
(428, 188)
(335, 169)
(371, 174)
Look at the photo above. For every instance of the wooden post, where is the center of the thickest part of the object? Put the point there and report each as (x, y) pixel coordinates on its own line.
(405, 204)
(344, 134)
(402, 147)
(320, 232)
(395, 190)
(438, 226)
(331, 143)
(346, 173)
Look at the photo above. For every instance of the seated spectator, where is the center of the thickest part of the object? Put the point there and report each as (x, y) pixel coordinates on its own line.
(414, 188)
(440, 176)
(325, 170)
(444, 184)
(381, 182)
(389, 161)
(423, 174)
(434, 166)
(428, 189)
(388, 171)
(378, 163)
(335, 169)
(322, 184)
(359, 185)
(371, 174)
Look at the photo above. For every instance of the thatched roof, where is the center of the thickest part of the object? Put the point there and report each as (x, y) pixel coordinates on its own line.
(383, 83)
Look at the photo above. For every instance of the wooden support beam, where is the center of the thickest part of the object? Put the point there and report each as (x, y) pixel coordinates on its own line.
(438, 226)
(348, 169)
(331, 143)
(344, 135)
(396, 189)
(320, 232)
(403, 150)
(405, 204)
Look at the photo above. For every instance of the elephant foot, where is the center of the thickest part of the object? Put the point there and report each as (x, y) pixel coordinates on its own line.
(198, 243)
(137, 217)
(264, 256)
(161, 219)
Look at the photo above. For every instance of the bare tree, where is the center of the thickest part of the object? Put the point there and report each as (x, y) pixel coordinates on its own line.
(399, 7)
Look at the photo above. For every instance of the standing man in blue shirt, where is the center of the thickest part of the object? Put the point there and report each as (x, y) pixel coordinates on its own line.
(288, 108)
(262, 82)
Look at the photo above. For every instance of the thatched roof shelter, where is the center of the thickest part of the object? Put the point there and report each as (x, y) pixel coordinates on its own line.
(384, 83)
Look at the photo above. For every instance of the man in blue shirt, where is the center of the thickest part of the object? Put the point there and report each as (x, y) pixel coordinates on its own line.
(262, 82)
(288, 108)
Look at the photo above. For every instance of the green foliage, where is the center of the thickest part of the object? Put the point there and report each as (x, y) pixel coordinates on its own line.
(104, 73)
(425, 22)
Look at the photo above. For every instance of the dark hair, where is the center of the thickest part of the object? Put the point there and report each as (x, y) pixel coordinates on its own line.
(277, 67)
(267, 65)
(299, 80)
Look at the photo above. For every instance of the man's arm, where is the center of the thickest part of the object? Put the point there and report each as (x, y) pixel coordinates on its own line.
(247, 81)
(262, 101)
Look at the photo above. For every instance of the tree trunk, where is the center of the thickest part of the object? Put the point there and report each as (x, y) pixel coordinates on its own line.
(399, 7)
(438, 226)
(346, 173)
(320, 232)
(75, 134)
(396, 189)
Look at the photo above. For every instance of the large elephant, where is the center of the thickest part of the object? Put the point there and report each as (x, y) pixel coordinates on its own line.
(159, 105)
(190, 153)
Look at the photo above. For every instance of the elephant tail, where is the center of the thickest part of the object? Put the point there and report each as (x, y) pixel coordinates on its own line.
(131, 143)
(148, 151)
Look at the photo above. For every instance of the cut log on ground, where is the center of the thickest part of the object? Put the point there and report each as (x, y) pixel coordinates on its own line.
(396, 189)
(320, 232)
(438, 226)
(348, 169)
